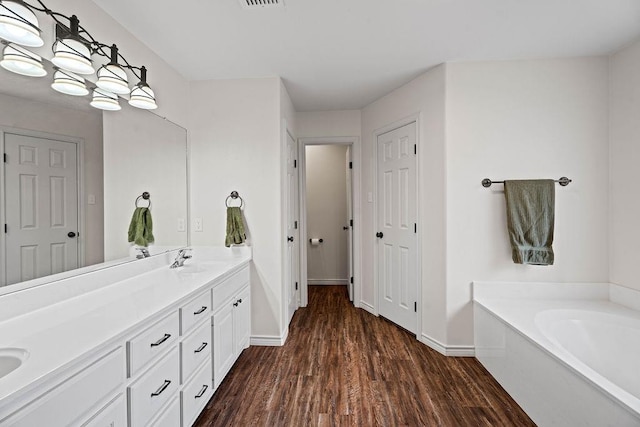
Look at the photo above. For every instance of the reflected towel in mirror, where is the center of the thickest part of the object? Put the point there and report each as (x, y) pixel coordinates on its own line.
(141, 227)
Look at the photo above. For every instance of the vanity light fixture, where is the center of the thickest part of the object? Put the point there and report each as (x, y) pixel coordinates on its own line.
(18, 24)
(71, 53)
(21, 61)
(111, 77)
(68, 83)
(104, 100)
(141, 95)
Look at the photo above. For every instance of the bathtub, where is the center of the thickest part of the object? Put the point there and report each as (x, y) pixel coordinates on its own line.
(569, 356)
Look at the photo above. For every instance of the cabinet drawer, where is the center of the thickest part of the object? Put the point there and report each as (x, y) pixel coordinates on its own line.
(196, 394)
(66, 403)
(192, 312)
(149, 394)
(171, 416)
(229, 287)
(195, 349)
(151, 342)
(112, 415)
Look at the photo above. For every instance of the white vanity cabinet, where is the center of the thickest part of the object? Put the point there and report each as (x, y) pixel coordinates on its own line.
(231, 323)
(158, 372)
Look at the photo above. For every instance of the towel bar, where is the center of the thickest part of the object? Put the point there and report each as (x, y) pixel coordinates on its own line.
(564, 181)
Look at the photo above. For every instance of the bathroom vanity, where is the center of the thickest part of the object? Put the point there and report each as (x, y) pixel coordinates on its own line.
(138, 345)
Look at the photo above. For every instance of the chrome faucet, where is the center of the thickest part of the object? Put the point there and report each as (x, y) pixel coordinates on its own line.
(180, 258)
(144, 253)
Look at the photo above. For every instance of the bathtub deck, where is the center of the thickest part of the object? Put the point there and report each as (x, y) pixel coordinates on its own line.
(343, 366)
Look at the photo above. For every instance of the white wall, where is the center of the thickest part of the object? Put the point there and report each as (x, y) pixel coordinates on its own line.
(326, 178)
(329, 123)
(236, 145)
(624, 171)
(37, 116)
(517, 120)
(424, 96)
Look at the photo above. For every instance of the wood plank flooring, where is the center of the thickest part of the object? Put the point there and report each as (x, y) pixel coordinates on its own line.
(341, 366)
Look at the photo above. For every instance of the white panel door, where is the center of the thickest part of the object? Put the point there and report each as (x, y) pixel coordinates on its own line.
(350, 220)
(292, 253)
(41, 207)
(396, 227)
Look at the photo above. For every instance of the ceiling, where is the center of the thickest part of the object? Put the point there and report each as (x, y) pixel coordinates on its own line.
(344, 54)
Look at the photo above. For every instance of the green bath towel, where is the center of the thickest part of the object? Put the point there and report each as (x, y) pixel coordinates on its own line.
(235, 227)
(141, 227)
(530, 220)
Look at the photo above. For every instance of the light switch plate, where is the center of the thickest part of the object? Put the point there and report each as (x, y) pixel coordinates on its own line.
(197, 224)
(91, 199)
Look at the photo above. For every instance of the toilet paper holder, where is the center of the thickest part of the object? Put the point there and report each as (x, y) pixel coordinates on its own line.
(319, 240)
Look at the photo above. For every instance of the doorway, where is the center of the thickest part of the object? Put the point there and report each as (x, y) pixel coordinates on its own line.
(40, 194)
(335, 260)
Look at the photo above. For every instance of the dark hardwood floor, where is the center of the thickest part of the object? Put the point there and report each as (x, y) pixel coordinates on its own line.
(343, 366)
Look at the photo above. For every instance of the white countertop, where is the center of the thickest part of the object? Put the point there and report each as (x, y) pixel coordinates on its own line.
(59, 335)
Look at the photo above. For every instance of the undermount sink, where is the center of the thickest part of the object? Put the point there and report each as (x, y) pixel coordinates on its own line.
(11, 359)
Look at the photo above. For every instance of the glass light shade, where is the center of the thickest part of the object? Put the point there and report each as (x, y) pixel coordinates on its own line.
(113, 78)
(72, 55)
(143, 97)
(21, 61)
(19, 25)
(104, 100)
(68, 83)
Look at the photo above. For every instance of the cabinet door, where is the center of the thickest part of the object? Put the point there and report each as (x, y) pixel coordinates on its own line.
(223, 349)
(242, 321)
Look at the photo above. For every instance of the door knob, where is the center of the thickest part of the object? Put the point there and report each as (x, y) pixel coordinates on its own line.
(290, 239)
(345, 228)
(379, 235)
(71, 234)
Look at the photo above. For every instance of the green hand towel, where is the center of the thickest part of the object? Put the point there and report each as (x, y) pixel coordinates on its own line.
(235, 227)
(141, 227)
(530, 220)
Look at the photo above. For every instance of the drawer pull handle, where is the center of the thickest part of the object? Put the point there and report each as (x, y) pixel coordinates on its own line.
(162, 388)
(161, 340)
(235, 304)
(202, 310)
(202, 392)
(240, 300)
(202, 347)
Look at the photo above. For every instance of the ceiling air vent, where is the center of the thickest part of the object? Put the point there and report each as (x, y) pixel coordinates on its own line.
(258, 4)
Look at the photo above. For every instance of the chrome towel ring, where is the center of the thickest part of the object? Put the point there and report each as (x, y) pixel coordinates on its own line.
(144, 196)
(234, 196)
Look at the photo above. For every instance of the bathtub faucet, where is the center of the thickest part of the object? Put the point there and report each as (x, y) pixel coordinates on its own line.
(180, 258)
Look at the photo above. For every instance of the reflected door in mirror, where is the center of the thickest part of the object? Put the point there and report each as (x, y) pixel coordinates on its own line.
(41, 199)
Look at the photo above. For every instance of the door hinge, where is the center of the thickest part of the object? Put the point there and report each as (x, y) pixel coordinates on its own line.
(415, 227)
(5, 229)
(415, 306)
(5, 157)
(295, 224)
(415, 148)
(295, 163)
(351, 280)
(350, 165)
(351, 222)
(296, 286)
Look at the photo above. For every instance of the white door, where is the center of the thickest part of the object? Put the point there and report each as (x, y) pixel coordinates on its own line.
(350, 221)
(292, 257)
(396, 226)
(41, 207)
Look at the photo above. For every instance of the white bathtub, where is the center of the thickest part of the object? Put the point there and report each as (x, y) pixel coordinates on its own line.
(570, 360)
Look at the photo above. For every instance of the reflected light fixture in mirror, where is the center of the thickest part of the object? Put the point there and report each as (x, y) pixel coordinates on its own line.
(70, 53)
(68, 83)
(19, 24)
(21, 61)
(111, 77)
(104, 100)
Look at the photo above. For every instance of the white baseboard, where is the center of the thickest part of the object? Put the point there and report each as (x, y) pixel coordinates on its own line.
(327, 282)
(452, 350)
(368, 307)
(270, 340)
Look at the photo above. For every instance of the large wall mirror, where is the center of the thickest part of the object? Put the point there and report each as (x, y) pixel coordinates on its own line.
(71, 180)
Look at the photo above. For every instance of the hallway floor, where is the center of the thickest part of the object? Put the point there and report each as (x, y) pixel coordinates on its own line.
(343, 366)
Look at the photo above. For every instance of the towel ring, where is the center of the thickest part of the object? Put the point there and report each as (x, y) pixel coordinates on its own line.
(144, 196)
(234, 195)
